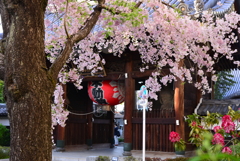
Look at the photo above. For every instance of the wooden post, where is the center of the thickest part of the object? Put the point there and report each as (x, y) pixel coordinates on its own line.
(199, 93)
(179, 105)
(112, 127)
(60, 146)
(89, 124)
(128, 106)
(237, 6)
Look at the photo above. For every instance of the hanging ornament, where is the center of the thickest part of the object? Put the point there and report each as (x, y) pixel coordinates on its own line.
(107, 92)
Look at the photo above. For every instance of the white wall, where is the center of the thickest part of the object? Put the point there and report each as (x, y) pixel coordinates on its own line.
(4, 121)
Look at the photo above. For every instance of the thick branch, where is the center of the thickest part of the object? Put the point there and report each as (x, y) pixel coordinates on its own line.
(89, 23)
(166, 4)
(81, 34)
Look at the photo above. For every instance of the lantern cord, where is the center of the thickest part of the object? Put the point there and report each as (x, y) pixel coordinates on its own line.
(112, 111)
(81, 113)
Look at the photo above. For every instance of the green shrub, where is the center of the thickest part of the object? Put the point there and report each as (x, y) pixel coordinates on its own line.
(153, 159)
(130, 158)
(178, 159)
(4, 152)
(120, 140)
(1, 92)
(103, 158)
(4, 136)
(236, 149)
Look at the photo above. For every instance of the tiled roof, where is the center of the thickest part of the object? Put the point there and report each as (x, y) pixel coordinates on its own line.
(217, 106)
(218, 7)
(3, 109)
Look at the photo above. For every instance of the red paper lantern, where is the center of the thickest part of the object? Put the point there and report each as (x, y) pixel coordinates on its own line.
(107, 92)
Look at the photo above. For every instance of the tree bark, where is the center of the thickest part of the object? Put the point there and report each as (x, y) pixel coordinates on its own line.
(29, 84)
(27, 87)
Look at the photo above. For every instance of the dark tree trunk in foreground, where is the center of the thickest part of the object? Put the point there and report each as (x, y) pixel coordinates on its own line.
(29, 84)
(27, 87)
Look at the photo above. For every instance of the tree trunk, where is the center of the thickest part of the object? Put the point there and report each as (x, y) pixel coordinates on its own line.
(29, 84)
(28, 89)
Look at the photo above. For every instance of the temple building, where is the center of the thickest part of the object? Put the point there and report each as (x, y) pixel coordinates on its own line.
(90, 123)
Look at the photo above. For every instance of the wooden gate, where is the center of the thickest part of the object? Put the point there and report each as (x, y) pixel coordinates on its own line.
(102, 131)
(75, 132)
(159, 124)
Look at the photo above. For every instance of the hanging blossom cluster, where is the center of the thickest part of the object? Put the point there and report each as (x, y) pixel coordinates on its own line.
(59, 115)
(162, 37)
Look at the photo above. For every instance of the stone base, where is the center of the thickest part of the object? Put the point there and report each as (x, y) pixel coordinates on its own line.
(58, 149)
(112, 146)
(89, 147)
(127, 153)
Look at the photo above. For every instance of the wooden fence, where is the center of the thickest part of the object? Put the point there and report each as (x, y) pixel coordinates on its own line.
(159, 124)
(76, 130)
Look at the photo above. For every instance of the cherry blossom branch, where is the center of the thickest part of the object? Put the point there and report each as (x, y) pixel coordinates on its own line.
(166, 4)
(81, 34)
(65, 28)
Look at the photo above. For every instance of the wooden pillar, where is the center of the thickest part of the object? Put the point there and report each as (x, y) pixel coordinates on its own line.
(179, 105)
(199, 93)
(89, 124)
(112, 127)
(60, 146)
(128, 106)
(237, 6)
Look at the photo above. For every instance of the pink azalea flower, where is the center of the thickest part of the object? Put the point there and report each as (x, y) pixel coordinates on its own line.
(194, 123)
(201, 127)
(174, 137)
(226, 118)
(228, 126)
(217, 128)
(227, 150)
(218, 139)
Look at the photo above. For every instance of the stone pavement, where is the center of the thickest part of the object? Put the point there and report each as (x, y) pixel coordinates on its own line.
(81, 153)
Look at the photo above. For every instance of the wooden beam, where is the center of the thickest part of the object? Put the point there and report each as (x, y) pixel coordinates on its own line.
(102, 121)
(147, 73)
(159, 121)
(110, 76)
